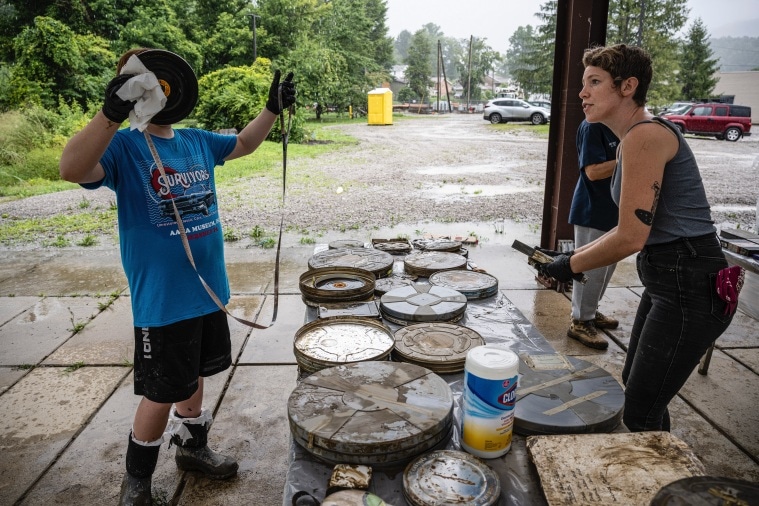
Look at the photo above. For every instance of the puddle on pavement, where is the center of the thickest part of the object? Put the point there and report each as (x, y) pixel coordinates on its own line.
(488, 232)
(467, 169)
(448, 190)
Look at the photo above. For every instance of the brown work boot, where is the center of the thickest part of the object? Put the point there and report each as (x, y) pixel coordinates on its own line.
(586, 333)
(605, 322)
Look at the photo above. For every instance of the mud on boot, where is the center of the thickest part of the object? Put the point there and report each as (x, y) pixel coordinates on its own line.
(193, 454)
(135, 491)
(586, 333)
(605, 322)
(141, 459)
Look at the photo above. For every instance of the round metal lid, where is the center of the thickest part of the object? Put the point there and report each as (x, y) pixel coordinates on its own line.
(427, 262)
(368, 409)
(377, 262)
(394, 247)
(441, 347)
(384, 285)
(437, 245)
(178, 82)
(387, 460)
(707, 491)
(561, 394)
(423, 303)
(346, 243)
(449, 477)
(325, 343)
(474, 285)
(337, 284)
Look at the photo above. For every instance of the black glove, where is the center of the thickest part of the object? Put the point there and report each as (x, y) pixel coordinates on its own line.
(288, 93)
(114, 108)
(559, 270)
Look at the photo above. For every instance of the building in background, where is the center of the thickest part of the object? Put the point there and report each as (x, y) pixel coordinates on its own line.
(744, 86)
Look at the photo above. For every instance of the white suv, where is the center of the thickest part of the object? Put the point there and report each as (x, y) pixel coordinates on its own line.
(501, 110)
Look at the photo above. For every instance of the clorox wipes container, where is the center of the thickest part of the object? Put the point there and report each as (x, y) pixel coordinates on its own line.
(490, 393)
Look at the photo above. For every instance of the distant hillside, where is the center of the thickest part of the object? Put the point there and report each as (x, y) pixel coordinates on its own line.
(736, 53)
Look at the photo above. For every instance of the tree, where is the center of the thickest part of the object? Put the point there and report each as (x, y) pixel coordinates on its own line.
(523, 59)
(419, 69)
(282, 22)
(401, 45)
(52, 61)
(483, 60)
(376, 11)
(653, 25)
(230, 97)
(319, 72)
(697, 67)
(157, 26)
(542, 81)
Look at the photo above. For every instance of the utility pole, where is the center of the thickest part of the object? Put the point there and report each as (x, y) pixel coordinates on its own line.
(438, 76)
(445, 79)
(255, 49)
(469, 74)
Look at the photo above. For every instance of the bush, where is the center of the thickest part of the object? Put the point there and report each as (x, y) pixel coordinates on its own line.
(31, 140)
(407, 95)
(231, 97)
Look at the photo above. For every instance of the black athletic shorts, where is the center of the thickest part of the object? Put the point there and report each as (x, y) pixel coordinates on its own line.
(168, 360)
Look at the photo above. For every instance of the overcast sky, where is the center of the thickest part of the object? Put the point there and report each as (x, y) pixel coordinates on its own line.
(497, 20)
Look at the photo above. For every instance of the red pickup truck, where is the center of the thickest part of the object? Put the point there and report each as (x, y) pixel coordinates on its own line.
(723, 121)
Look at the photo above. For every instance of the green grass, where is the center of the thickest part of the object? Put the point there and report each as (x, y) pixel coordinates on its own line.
(57, 231)
(538, 130)
(56, 228)
(82, 225)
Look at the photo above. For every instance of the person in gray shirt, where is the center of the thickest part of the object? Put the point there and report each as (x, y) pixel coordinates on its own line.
(665, 218)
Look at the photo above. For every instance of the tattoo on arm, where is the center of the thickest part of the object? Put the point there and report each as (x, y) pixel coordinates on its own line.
(647, 217)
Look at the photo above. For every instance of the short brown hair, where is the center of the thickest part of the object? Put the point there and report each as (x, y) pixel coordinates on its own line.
(623, 61)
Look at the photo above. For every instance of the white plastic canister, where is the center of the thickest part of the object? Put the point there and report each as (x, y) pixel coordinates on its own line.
(491, 373)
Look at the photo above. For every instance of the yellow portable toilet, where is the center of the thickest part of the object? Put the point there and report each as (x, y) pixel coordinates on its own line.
(380, 107)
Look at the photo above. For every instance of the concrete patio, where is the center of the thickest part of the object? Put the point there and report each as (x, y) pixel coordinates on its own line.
(66, 377)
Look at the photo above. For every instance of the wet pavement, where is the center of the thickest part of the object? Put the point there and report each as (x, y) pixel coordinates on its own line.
(66, 377)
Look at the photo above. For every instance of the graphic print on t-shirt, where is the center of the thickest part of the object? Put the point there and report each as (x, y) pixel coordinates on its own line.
(190, 190)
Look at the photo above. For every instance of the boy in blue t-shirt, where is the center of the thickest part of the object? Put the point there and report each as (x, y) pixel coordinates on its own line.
(181, 335)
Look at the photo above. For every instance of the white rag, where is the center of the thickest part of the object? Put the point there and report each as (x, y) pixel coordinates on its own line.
(143, 88)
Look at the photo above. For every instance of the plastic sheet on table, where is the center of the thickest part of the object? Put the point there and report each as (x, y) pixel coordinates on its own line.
(499, 322)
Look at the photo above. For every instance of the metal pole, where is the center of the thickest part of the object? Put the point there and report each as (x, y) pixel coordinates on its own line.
(255, 48)
(469, 74)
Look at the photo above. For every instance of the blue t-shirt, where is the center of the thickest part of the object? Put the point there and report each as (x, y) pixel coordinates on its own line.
(592, 205)
(164, 287)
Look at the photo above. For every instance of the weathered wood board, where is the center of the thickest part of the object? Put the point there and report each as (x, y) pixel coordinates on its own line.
(627, 468)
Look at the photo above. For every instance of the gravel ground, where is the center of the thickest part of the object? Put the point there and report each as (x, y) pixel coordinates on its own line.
(447, 169)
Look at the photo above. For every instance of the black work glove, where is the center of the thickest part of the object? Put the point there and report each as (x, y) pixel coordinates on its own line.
(288, 93)
(560, 270)
(114, 108)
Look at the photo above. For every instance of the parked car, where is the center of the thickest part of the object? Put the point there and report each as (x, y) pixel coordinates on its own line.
(502, 110)
(545, 104)
(723, 121)
(676, 108)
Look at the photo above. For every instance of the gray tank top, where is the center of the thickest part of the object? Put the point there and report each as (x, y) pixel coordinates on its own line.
(683, 210)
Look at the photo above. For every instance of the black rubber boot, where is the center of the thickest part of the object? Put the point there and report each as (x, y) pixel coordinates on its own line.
(135, 491)
(193, 453)
(140, 463)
